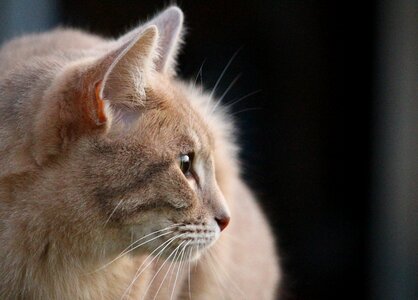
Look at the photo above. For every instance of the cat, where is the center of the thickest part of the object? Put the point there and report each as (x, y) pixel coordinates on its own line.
(117, 178)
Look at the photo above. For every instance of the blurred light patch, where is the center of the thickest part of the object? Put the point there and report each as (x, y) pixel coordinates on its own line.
(22, 16)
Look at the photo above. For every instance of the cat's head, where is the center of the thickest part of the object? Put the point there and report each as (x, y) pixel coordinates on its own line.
(125, 151)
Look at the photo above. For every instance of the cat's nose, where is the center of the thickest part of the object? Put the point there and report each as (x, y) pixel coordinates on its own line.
(222, 221)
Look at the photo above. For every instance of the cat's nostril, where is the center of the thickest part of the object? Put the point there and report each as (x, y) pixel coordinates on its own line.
(223, 222)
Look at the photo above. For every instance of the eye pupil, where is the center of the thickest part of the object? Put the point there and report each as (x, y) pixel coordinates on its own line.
(185, 163)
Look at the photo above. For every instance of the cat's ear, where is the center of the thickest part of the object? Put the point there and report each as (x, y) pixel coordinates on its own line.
(170, 25)
(120, 75)
(123, 72)
(77, 103)
(170, 29)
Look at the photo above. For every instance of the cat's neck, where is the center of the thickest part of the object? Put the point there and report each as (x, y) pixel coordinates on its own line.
(70, 278)
(45, 266)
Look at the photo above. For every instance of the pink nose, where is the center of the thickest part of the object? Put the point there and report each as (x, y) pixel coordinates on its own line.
(223, 222)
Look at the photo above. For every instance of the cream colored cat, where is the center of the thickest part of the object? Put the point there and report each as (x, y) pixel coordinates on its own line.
(117, 178)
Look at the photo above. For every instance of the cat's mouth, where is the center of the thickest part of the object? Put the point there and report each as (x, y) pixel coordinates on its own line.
(180, 242)
(191, 240)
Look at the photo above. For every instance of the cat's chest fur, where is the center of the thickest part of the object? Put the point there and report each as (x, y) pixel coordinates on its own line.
(117, 179)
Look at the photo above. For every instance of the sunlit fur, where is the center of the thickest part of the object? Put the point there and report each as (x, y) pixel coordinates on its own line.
(93, 204)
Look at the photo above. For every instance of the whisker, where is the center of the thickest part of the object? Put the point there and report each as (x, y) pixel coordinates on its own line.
(223, 72)
(171, 269)
(158, 271)
(188, 279)
(150, 240)
(246, 109)
(165, 276)
(226, 92)
(174, 267)
(200, 73)
(147, 235)
(126, 251)
(243, 98)
(178, 269)
(113, 211)
(139, 271)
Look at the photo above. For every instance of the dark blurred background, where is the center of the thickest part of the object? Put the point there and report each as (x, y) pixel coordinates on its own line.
(329, 130)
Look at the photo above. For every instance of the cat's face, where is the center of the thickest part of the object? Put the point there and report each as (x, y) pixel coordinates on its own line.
(157, 176)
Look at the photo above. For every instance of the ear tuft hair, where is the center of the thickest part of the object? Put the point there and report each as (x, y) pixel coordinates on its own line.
(170, 28)
(170, 25)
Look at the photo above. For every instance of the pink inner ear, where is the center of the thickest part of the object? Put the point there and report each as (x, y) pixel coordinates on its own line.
(101, 117)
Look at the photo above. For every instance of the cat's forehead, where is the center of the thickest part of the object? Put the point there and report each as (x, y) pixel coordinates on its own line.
(171, 120)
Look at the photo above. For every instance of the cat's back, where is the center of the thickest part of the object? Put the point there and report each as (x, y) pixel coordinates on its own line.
(58, 42)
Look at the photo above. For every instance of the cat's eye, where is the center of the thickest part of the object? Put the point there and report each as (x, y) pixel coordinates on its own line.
(185, 162)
